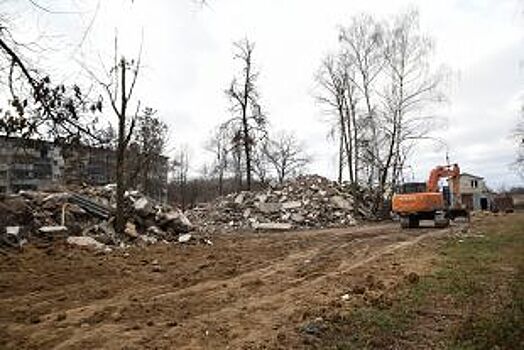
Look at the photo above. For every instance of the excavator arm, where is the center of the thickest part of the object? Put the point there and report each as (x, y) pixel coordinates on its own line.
(450, 171)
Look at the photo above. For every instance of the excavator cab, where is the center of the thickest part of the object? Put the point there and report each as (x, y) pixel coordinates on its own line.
(411, 187)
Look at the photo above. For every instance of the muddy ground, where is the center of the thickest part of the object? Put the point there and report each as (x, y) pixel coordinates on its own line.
(246, 291)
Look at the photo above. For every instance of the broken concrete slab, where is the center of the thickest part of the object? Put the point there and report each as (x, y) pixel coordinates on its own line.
(154, 230)
(291, 205)
(298, 218)
(83, 241)
(341, 203)
(274, 226)
(148, 239)
(143, 206)
(177, 220)
(52, 230)
(130, 230)
(12, 230)
(269, 208)
(239, 198)
(261, 198)
(61, 196)
(186, 237)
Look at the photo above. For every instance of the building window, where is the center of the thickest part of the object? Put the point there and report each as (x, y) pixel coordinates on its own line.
(474, 183)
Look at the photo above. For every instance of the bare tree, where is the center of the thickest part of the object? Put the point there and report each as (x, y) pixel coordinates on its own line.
(286, 155)
(380, 87)
(362, 48)
(119, 87)
(180, 169)
(37, 107)
(261, 164)
(146, 148)
(219, 145)
(339, 93)
(411, 88)
(248, 122)
(238, 166)
(333, 94)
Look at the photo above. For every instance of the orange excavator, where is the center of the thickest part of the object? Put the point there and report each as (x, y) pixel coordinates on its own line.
(423, 201)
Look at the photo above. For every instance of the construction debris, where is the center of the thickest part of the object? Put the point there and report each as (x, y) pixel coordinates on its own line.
(308, 201)
(85, 217)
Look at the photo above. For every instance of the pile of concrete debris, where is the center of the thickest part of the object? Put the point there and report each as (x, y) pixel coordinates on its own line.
(309, 201)
(85, 216)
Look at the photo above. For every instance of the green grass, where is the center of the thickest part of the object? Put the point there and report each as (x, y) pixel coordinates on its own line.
(499, 322)
(479, 281)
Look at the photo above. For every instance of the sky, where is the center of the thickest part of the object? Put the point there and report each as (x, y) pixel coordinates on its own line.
(187, 63)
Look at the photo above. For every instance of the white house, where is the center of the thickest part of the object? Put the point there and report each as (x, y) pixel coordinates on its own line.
(474, 193)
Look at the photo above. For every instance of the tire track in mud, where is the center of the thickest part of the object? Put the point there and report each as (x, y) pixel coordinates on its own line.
(278, 285)
(287, 273)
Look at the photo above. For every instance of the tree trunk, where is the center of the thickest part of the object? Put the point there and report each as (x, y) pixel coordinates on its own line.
(120, 156)
(348, 141)
(340, 157)
(283, 171)
(247, 151)
(355, 140)
(247, 140)
(221, 182)
(238, 167)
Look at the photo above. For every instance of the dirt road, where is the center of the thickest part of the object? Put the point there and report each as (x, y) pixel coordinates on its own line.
(246, 291)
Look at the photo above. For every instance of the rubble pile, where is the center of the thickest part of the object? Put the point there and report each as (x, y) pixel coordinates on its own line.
(85, 217)
(309, 201)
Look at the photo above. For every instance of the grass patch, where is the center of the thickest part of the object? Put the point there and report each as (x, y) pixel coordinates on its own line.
(496, 319)
(474, 299)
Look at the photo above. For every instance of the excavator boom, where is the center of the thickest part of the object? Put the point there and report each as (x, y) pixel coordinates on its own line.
(452, 172)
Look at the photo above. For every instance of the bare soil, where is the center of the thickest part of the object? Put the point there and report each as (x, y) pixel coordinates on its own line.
(246, 291)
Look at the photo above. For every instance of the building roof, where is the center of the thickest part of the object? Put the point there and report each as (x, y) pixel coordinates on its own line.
(471, 175)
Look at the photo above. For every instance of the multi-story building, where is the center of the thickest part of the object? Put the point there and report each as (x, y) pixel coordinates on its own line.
(28, 164)
(34, 164)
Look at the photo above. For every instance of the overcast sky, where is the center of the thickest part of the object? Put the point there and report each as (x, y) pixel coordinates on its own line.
(188, 63)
